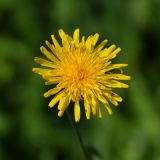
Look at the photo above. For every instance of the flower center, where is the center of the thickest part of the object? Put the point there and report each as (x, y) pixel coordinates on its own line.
(81, 74)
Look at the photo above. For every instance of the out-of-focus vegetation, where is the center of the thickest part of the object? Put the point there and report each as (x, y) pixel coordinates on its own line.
(29, 129)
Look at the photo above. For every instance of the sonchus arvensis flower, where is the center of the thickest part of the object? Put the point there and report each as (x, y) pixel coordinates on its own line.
(78, 70)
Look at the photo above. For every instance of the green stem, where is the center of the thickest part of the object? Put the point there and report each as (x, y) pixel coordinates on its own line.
(77, 133)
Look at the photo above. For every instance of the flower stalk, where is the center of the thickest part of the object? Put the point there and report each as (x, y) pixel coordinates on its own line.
(78, 135)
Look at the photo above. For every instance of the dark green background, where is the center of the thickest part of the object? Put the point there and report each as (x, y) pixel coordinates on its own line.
(29, 129)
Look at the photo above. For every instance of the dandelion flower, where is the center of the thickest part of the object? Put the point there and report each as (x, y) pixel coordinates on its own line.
(78, 70)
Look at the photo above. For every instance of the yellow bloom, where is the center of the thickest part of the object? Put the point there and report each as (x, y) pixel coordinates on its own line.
(81, 71)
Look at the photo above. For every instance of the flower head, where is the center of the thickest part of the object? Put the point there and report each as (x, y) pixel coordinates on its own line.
(81, 71)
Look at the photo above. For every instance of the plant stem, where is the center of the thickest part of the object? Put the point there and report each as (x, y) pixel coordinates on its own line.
(77, 133)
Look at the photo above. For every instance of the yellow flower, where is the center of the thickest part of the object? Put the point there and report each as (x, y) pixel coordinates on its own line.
(81, 71)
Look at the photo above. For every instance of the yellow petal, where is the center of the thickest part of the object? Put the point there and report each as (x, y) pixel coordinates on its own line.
(56, 99)
(63, 103)
(60, 113)
(56, 44)
(44, 62)
(117, 76)
(51, 47)
(89, 42)
(87, 108)
(115, 84)
(41, 71)
(52, 92)
(99, 111)
(111, 48)
(113, 97)
(77, 111)
(95, 39)
(64, 38)
(50, 77)
(94, 105)
(108, 108)
(113, 54)
(101, 45)
(52, 81)
(83, 39)
(47, 73)
(116, 96)
(48, 54)
(114, 66)
(62, 34)
(101, 98)
(76, 37)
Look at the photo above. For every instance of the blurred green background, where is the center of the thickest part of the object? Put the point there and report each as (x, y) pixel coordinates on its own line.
(29, 129)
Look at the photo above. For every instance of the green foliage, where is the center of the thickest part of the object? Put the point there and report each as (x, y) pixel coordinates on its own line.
(29, 129)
